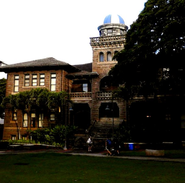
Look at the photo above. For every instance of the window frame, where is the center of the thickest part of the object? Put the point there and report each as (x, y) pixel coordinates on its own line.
(25, 121)
(41, 120)
(34, 80)
(101, 57)
(16, 83)
(27, 80)
(24, 137)
(33, 120)
(13, 137)
(41, 79)
(85, 87)
(109, 56)
(109, 31)
(14, 116)
(53, 79)
(166, 73)
(52, 118)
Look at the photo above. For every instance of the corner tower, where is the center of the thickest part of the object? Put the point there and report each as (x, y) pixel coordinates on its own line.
(112, 38)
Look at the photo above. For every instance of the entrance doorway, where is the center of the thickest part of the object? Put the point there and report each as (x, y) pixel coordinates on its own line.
(82, 115)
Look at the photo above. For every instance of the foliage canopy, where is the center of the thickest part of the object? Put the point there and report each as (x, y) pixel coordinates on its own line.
(38, 98)
(154, 42)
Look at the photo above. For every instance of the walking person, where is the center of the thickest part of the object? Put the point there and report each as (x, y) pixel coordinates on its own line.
(108, 146)
(116, 147)
(89, 143)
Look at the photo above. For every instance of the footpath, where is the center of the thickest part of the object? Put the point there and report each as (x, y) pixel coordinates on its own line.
(101, 154)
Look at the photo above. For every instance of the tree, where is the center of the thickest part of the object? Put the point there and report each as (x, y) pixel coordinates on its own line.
(153, 60)
(155, 44)
(41, 100)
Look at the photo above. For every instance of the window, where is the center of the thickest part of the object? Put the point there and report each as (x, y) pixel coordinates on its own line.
(109, 31)
(121, 32)
(52, 117)
(14, 116)
(26, 80)
(25, 120)
(13, 137)
(41, 120)
(85, 87)
(166, 73)
(101, 57)
(42, 80)
(24, 137)
(53, 82)
(109, 57)
(33, 121)
(34, 80)
(168, 117)
(16, 83)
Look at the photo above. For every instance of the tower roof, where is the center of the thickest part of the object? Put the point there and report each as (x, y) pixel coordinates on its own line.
(113, 19)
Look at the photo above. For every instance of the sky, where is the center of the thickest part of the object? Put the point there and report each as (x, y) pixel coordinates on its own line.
(37, 29)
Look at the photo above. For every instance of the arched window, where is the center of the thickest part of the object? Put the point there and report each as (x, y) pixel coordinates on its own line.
(101, 57)
(109, 56)
(110, 110)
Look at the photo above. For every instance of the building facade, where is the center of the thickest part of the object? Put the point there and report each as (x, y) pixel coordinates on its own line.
(90, 88)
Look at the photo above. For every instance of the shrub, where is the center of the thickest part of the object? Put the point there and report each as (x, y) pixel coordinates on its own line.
(57, 135)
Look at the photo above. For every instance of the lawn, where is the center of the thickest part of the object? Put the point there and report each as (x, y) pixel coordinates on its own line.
(55, 168)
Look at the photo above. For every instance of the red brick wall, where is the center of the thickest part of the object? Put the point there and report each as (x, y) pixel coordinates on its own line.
(61, 81)
(10, 126)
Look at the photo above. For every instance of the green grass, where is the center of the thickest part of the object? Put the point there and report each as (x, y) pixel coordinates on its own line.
(55, 168)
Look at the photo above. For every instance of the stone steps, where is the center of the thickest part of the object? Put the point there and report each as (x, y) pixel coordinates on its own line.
(99, 134)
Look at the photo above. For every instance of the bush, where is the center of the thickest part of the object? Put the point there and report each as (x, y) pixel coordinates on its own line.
(57, 135)
(122, 133)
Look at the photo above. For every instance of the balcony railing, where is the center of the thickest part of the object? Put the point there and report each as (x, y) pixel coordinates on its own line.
(99, 40)
(88, 95)
(104, 95)
(81, 95)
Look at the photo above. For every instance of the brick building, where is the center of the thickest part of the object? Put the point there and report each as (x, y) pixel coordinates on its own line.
(89, 85)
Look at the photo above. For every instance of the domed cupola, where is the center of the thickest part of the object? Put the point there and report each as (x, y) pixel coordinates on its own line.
(113, 25)
(113, 19)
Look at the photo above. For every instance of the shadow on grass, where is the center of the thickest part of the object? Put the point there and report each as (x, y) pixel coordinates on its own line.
(56, 167)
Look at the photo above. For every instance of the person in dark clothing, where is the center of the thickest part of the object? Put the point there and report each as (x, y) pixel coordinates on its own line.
(116, 147)
(108, 146)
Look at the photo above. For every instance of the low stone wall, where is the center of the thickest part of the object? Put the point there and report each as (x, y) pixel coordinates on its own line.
(30, 146)
(154, 152)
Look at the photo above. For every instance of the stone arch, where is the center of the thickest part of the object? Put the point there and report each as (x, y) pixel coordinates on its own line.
(109, 56)
(82, 115)
(101, 57)
(110, 110)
